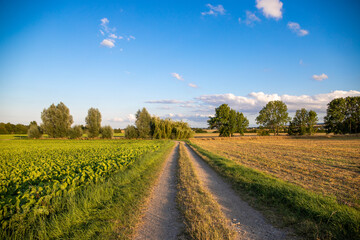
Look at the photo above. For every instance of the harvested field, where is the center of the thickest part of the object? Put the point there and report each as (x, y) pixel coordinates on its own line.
(330, 166)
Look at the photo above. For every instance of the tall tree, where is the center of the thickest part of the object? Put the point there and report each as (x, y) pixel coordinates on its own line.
(143, 122)
(241, 123)
(93, 122)
(274, 116)
(343, 115)
(227, 121)
(303, 122)
(56, 120)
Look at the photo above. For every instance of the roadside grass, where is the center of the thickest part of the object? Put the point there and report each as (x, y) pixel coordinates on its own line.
(107, 210)
(202, 214)
(311, 215)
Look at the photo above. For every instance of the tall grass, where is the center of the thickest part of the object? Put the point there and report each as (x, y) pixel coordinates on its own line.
(107, 210)
(313, 215)
(203, 217)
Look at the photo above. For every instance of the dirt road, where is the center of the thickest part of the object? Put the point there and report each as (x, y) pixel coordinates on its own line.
(162, 219)
(249, 223)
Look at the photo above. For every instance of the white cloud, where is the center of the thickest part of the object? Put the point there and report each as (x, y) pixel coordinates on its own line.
(177, 76)
(104, 21)
(120, 37)
(132, 37)
(320, 77)
(112, 35)
(130, 118)
(250, 18)
(193, 85)
(214, 10)
(295, 27)
(108, 43)
(270, 8)
(254, 101)
(102, 33)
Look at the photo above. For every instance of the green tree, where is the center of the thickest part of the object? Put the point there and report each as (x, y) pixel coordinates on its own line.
(56, 120)
(107, 132)
(93, 122)
(343, 115)
(75, 132)
(143, 123)
(274, 116)
(227, 121)
(241, 123)
(34, 131)
(303, 122)
(131, 132)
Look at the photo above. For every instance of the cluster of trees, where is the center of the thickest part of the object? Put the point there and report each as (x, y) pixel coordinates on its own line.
(8, 128)
(147, 126)
(343, 116)
(57, 121)
(228, 121)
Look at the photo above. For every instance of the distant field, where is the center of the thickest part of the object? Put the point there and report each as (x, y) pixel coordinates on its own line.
(330, 166)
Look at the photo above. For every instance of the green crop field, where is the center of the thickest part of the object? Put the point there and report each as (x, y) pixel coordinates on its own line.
(34, 174)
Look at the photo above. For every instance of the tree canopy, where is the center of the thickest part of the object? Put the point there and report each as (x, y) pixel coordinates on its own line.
(343, 115)
(56, 120)
(274, 116)
(143, 122)
(303, 122)
(93, 122)
(227, 121)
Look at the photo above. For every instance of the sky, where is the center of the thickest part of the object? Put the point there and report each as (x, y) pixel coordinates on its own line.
(178, 59)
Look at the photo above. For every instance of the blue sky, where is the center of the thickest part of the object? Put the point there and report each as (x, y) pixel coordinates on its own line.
(179, 59)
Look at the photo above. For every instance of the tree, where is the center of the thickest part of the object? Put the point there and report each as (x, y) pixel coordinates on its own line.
(241, 123)
(343, 115)
(107, 132)
(303, 122)
(227, 121)
(34, 131)
(131, 132)
(143, 121)
(75, 132)
(274, 116)
(56, 120)
(93, 122)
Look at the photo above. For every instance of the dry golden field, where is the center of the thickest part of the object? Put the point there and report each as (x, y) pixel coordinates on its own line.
(330, 166)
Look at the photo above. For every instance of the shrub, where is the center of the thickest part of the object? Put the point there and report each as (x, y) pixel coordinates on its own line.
(131, 132)
(34, 131)
(107, 132)
(75, 132)
(263, 132)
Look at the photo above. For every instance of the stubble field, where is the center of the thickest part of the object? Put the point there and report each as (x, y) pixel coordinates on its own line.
(330, 166)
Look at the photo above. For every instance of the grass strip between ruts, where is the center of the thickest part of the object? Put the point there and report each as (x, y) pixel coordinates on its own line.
(313, 215)
(107, 210)
(202, 214)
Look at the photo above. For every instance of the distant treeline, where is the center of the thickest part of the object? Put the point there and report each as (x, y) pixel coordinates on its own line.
(342, 117)
(147, 126)
(9, 128)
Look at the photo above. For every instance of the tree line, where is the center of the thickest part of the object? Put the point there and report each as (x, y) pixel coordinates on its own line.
(342, 117)
(9, 128)
(147, 126)
(57, 121)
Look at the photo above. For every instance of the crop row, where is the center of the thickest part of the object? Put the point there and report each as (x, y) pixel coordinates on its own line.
(32, 174)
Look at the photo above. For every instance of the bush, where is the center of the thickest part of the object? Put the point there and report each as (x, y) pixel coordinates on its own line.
(263, 132)
(75, 132)
(131, 132)
(107, 132)
(34, 131)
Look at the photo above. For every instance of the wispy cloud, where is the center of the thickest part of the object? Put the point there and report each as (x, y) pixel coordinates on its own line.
(250, 19)
(320, 77)
(214, 10)
(108, 43)
(165, 101)
(177, 76)
(130, 118)
(301, 62)
(295, 27)
(112, 35)
(270, 8)
(193, 85)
